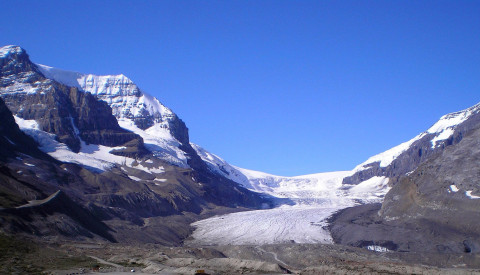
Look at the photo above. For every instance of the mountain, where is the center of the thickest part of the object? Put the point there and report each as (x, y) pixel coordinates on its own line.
(115, 164)
(420, 196)
(112, 161)
(433, 207)
(404, 158)
(136, 111)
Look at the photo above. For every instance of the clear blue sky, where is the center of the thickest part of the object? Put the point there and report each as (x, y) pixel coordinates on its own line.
(285, 87)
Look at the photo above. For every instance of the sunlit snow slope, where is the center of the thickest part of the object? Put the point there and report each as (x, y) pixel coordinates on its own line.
(134, 110)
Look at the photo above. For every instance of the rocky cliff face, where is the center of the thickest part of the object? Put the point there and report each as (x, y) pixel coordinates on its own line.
(127, 101)
(13, 141)
(71, 115)
(115, 184)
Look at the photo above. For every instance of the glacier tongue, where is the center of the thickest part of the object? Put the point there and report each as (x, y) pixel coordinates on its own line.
(312, 199)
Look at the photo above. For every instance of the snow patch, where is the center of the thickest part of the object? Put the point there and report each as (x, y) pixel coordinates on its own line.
(134, 178)
(453, 188)
(26, 124)
(445, 127)
(469, 194)
(159, 141)
(91, 156)
(377, 248)
(10, 49)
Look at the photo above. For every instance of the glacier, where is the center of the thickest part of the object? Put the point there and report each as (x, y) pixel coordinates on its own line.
(312, 198)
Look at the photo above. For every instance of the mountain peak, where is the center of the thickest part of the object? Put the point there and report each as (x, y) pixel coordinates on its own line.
(11, 49)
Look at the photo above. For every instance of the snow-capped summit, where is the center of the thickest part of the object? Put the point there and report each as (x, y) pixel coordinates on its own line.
(10, 49)
(124, 96)
(161, 129)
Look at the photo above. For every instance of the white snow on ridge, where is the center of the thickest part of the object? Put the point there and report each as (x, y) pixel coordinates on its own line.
(220, 166)
(128, 102)
(442, 130)
(314, 189)
(387, 157)
(469, 194)
(7, 50)
(445, 127)
(121, 93)
(306, 186)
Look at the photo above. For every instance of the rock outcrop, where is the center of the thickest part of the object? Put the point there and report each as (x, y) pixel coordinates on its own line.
(73, 116)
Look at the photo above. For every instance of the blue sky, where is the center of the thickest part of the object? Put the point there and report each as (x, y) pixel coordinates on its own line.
(285, 87)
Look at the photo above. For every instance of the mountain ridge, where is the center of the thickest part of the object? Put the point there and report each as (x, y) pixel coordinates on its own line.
(162, 174)
(116, 176)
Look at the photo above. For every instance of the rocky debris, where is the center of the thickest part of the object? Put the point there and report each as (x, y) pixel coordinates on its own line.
(41, 218)
(314, 259)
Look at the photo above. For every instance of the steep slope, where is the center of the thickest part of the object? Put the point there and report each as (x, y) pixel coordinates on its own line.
(71, 115)
(14, 142)
(404, 158)
(164, 133)
(107, 170)
(19, 158)
(433, 208)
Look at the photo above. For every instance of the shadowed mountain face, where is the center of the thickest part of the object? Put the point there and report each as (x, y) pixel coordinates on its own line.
(112, 186)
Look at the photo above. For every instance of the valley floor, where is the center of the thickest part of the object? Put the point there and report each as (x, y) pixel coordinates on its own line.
(270, 259)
